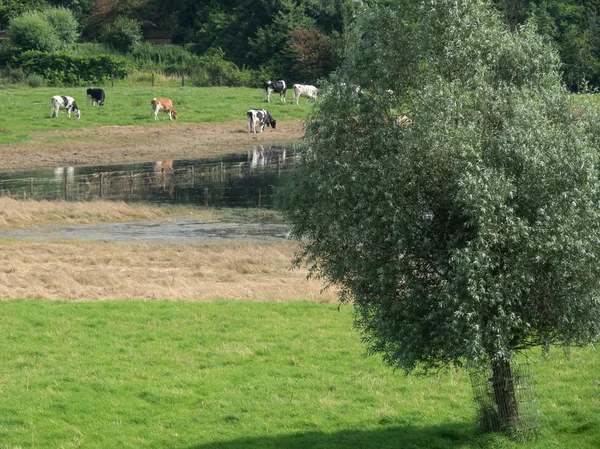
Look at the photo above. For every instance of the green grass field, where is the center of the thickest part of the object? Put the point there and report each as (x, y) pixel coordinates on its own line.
(235, 375)
(25, 110)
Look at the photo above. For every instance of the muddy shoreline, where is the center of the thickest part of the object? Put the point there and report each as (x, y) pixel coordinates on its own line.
(132, 144)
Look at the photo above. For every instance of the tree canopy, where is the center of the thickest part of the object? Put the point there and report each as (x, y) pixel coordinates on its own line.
(47, 30)
(261, 33)
(474, 232)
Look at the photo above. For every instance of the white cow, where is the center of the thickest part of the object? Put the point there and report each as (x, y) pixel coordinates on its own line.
(305, 90)
(61, 102)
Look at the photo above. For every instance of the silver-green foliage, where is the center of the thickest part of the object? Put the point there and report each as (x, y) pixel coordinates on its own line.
(48, 30)
(65, 26)
(474, 232)
(31, 31)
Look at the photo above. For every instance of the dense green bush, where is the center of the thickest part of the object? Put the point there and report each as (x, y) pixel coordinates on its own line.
(168, 59)
(163, 54)
(64, 24)
(47, 30)
(123, 34)
(213, 70)
(31, 31)
(66, 69)
(8, 53)
(307, 55)
(93, 48)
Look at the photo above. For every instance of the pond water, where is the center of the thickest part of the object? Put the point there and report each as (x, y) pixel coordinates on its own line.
(174, 231)
(245, 179)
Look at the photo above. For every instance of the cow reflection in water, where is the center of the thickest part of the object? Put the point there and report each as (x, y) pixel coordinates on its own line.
(258, 157)
(60, 173)
(163, 173)
(163, 166)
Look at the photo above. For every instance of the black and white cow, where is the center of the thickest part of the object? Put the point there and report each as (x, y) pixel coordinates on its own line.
(275, 86)
(61, 102)
(258, 118)
(96, 95)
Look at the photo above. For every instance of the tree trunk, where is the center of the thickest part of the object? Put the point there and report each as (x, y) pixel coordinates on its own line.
(504, 393)
(513, 11)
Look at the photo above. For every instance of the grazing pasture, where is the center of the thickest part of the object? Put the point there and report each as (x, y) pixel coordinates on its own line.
(24, 112)
(237, 375)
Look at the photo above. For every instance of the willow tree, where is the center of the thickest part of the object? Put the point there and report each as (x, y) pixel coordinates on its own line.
(473, 233)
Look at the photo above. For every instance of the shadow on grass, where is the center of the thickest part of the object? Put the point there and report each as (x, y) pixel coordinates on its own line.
(461, 435)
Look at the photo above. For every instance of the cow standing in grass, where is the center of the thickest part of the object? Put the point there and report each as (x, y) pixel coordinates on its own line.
(96, 95)
(62, 102)
(275, 86)
(163, 104)
(305, 90)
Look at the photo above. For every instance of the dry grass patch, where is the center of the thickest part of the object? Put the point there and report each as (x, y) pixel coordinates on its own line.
(111, 271)
(18, 213)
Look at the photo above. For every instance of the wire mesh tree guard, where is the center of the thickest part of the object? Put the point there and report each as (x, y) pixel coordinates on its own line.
(505, 399)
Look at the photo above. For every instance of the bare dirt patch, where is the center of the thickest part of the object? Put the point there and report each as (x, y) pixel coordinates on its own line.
(130, 144)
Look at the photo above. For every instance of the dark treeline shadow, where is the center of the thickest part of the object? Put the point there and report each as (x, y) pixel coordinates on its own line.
(444, 436)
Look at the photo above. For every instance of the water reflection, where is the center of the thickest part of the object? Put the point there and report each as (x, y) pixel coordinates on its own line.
(161, 166)
(61, 172)
(234, 180)
(258, 157)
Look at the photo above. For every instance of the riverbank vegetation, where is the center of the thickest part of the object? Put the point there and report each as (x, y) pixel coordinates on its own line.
(234, 375)
(80, 270)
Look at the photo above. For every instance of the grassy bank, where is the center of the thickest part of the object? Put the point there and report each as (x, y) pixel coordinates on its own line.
(235, 375)
(25, 112)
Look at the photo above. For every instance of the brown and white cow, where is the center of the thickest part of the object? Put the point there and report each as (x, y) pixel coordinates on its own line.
(163, 104)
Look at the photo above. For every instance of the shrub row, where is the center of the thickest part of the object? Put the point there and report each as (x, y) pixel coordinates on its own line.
(64, 69)
(210, 69)
(94, 63)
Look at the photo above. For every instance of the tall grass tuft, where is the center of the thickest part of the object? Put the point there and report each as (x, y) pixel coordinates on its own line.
(35, 80)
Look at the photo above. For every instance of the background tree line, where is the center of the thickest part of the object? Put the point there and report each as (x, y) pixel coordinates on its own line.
(304, 39)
